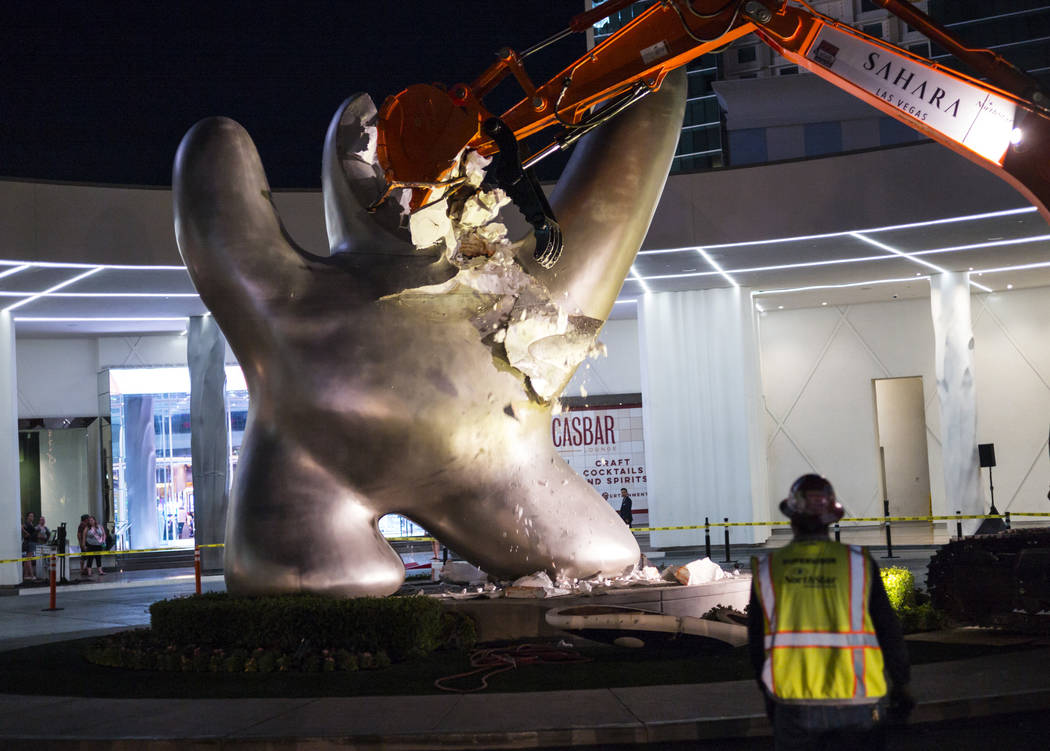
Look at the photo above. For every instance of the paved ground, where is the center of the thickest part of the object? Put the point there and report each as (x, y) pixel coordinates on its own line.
(960, 703)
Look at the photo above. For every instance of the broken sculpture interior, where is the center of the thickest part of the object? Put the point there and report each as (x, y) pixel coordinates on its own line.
(390, 378)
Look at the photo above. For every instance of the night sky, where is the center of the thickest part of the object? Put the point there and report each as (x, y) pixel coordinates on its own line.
(102, 91)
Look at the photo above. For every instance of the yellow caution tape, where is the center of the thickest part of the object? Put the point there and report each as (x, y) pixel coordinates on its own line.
(880, 519)
(89, 553)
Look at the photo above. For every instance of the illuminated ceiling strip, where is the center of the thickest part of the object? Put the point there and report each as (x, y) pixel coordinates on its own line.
(105, 266)
(100, 294)
(716, 267)
(837, 286)
(859, 259)
(913, 259)
(627, 300)
(13, 271)
(638, 278)
(89, 319)
(827, 235)
(57, 287)
(1019, 267)
(979, 246)
(777, 267)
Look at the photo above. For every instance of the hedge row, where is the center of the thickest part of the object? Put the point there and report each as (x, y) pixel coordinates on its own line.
(402, 627)
(138, 650)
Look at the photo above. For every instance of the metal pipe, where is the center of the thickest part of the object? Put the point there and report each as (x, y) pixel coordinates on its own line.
(707, 537)
(958, 524)
(728, 558)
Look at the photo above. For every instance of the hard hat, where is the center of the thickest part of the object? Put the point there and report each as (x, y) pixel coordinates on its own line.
(812, 495)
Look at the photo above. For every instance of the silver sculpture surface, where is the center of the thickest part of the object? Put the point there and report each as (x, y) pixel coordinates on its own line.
(381, 380)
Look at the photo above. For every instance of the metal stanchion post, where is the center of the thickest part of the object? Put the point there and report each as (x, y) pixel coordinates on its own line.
(197, 567)
(838, 532)
(885, 502)
(1007, 519)
(707, 537)
(889, 541)
(52, 575)
(728, 558)
(958, 524)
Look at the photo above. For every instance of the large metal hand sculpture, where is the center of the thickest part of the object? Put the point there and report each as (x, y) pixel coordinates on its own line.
(382, 377)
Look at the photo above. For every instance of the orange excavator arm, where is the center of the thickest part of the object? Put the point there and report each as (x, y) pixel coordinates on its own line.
(1002, 124)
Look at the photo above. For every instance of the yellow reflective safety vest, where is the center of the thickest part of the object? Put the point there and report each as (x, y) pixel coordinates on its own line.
(819, 638)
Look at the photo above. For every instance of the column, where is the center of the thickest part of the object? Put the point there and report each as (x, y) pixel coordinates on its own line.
(10, 488)
(140, 472)
(209, 437)
(701, 409)
(957, 392)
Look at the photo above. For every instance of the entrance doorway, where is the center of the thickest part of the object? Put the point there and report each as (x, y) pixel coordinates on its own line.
(900, 429)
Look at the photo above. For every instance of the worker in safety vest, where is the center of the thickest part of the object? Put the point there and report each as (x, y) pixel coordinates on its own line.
(823, 635)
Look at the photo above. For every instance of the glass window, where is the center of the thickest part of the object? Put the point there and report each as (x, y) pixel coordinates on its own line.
(823, 138)
(748, 146)
(872, 29)
(747, 54)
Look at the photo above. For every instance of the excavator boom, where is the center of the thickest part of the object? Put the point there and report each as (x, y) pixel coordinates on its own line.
(1003, 123)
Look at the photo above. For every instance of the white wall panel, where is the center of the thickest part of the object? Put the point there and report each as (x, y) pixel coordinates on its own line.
(792, 343)
(818, 367)
(831, 427)
(56, 377)
(141, 351)
(619, 371)
(1013, 394)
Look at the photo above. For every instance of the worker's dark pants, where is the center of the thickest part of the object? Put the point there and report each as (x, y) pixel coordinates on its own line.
(832, 727)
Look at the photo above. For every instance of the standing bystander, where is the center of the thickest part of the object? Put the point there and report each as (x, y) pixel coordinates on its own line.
(95, 542)
(80, 542)
(626, 506)
(28, 545)
(823, 634)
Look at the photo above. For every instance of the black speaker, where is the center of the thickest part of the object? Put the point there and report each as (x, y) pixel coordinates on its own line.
(987, 454)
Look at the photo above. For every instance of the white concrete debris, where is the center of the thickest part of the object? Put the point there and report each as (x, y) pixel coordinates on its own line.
(461, 572)
(469, 226)
(700, 571)
(540, 338)
(539, 585)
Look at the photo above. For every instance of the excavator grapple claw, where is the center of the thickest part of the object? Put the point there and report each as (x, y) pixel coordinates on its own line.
(548, 244)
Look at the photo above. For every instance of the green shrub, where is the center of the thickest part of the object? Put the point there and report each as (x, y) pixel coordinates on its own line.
(912, 606)
(900, 587)
(218, 633)
(921, 618)
(402, 626)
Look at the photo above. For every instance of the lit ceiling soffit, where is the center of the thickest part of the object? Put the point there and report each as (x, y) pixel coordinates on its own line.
(862, 235)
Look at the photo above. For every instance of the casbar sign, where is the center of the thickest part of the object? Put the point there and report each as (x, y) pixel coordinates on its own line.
(582, 430)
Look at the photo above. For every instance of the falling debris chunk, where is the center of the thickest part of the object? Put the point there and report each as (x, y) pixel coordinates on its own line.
(521, 322)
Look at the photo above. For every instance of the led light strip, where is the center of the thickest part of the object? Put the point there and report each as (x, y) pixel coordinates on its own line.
(638, 278)
(828, 235)
(57, 287)
(88, 319)
(913, 259)
(103, 266)
(13, 271)
(716, 267)
(837, 286)
(1019, 267)
(100, 294)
